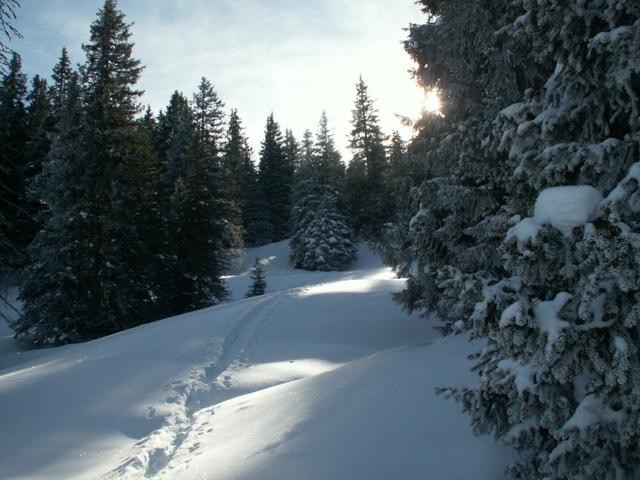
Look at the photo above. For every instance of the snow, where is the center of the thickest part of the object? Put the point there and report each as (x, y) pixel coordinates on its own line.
(611, 36)
(523, 374)
(548, 319)
(512, 110)
(322, 377)
(621, 344)
(524, 230)
(589, 412)
(618, 193)
(564, 208)
(511, 315)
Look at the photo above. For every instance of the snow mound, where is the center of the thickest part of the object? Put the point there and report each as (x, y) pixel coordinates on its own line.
(564, 208)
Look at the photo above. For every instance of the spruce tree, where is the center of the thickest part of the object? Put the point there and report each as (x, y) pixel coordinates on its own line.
(327, 160)
(197, 236)
(291, 150)
(175, 133)
(208, 117)
(367, 192)
(60, 287)
(259, 228)
(149, 124)
(506, 234)
(305, 159)
(61, 76)
(321, 236)
(40, 126)
(562, 323)
(104, 189)
(13, 166)
(276, 180)
(446, 230)
(258, 280)
(208, 110)
(243, 183)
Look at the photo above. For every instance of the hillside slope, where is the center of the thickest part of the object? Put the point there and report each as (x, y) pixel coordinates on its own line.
(322, 377)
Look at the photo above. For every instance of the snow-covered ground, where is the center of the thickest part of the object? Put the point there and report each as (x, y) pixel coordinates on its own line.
(324, 377)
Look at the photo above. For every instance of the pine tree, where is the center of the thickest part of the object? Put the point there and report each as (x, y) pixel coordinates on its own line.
(321, 237)
(209, 116)
(446, 230)
(59, 288)
(561, 324)
(275, 179)
(258, 280)
(105, 220)
(305, 159)
(208, 110)
(327, 159)
(534, 108)
(13, 138)
(149, 124)
(197, 234)
(62, 73)
(243, 183)
(175, 134)
(367, 192)
(40, 126)
(259, 229)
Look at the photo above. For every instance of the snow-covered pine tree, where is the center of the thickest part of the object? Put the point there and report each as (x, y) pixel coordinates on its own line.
(59, 287)
(104, 233)
(559, 377)
(276, 180)
(366, 189)
(446, 232)
(326, 242)
(258, 280)
(321, 236)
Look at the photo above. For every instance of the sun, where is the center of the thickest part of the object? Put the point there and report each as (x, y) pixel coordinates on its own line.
(431, 102)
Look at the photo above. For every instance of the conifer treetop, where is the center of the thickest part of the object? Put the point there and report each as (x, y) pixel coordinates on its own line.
(110, 71)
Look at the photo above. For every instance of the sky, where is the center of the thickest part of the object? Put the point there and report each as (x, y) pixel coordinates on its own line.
(293, 57)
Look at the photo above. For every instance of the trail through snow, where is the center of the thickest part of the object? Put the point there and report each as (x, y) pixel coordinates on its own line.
(322, 377)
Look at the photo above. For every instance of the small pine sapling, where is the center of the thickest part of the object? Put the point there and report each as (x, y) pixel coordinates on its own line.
(259, 283)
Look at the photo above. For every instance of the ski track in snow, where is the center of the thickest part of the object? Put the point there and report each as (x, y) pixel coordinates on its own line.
(155, 451)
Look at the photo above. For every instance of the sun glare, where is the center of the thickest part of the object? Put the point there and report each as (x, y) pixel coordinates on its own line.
(431, 102)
